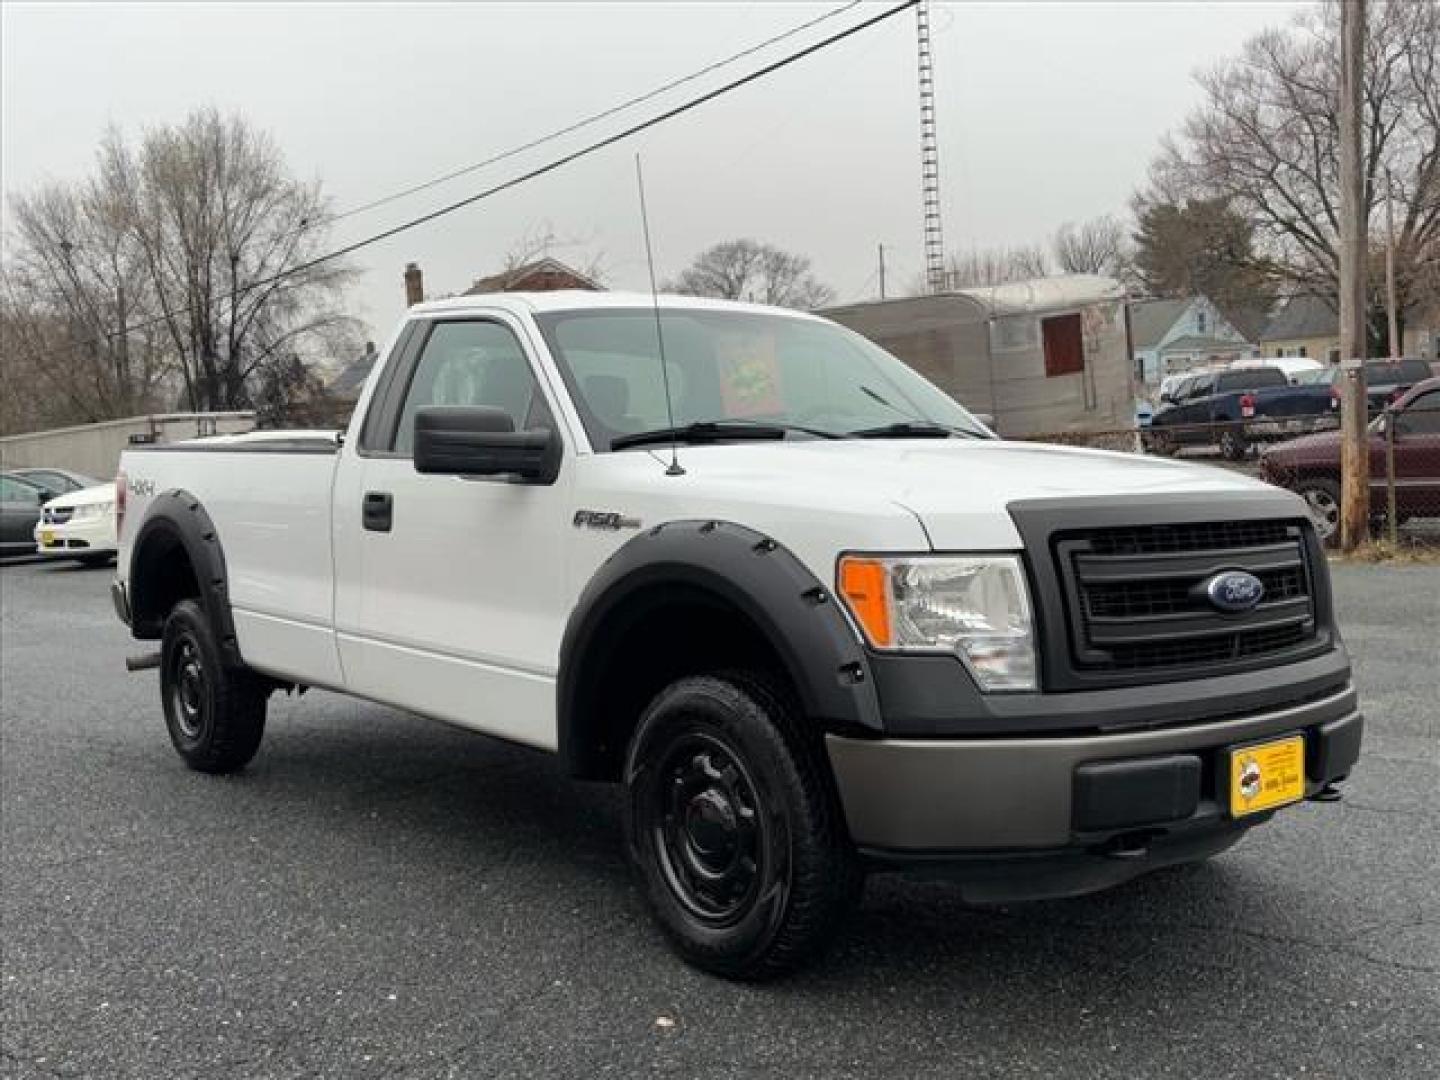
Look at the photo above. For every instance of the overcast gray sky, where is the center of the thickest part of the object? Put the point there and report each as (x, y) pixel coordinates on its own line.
(1047, 113)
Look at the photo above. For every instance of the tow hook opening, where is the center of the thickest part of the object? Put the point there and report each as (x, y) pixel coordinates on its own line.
(1129, 845)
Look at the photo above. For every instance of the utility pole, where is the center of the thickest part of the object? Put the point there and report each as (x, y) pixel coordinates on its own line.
(1392, 314)
(929, 156)
(882, 271)
(1354, 404)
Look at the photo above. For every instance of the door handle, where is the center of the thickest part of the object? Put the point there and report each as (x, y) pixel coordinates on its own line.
(377, 511)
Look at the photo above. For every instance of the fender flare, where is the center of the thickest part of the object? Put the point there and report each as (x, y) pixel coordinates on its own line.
(797, 614)
(173, 517)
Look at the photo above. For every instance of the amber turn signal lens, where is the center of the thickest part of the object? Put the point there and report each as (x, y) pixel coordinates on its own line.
(862, 583)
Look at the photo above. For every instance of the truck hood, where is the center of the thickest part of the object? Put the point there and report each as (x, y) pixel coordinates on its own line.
(958, 488)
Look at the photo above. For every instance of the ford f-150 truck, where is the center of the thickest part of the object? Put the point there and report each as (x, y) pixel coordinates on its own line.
(805, 607)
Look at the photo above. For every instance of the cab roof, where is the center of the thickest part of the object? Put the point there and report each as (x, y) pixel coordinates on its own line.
(584, 300)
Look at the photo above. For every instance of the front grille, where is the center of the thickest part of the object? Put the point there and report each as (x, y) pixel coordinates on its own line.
(1135, 600)
(1188, 536)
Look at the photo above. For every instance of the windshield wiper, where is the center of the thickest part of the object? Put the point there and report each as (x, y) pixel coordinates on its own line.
(913, 429)
(714, 431)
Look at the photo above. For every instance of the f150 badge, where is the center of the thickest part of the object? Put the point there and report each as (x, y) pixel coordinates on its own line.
(604, 519)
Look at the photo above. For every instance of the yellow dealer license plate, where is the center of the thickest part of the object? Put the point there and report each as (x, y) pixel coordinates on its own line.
(47, 538)
(1267, 775)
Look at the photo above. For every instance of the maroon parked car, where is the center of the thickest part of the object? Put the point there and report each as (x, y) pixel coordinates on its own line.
(1311, 466)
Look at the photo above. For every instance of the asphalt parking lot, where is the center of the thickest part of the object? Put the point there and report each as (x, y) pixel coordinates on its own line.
(379, 895)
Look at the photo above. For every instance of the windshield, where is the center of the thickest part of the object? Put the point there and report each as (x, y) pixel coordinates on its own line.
(737, 366)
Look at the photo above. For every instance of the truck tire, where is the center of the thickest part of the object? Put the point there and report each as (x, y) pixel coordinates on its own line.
(735, 828)
(1322, 499)
(215, 714)
(1233, 445)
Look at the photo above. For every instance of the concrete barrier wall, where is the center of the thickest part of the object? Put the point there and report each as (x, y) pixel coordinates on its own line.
(94, 449)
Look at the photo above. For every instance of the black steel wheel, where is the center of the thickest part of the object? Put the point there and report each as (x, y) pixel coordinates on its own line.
(709, 836)
(735, 829)
(215, 713)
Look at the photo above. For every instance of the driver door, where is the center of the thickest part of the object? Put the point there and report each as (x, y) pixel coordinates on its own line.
(451, 602)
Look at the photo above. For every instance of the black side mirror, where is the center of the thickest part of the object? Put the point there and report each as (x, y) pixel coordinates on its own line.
(476, 440)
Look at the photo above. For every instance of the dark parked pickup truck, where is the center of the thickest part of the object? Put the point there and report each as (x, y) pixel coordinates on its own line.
(1239, 408)
(1385, 380)
(1235, 409)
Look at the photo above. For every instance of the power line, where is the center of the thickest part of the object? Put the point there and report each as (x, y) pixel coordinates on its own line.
(578, 125)
(591, 148)
(535, 173)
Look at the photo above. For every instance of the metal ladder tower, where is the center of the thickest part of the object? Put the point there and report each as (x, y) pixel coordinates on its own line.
(935, 276)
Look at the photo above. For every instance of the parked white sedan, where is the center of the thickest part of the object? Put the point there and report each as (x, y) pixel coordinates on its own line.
(80, 525)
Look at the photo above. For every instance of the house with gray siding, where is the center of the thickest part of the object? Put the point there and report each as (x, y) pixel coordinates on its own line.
(1168, 337)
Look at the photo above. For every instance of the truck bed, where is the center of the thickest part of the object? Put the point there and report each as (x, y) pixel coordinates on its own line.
(269, 495)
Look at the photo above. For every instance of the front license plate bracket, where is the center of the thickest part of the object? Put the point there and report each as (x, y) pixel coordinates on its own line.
(1263, 776)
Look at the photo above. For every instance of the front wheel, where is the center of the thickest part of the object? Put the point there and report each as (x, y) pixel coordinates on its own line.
(735, 828)
(1322, 499)
(215, 713)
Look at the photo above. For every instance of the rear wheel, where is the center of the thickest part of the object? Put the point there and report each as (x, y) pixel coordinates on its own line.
(735, 829)
(1233, 445)
(215, 713)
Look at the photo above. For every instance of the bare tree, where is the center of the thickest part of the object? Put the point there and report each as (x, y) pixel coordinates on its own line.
(751, 270)
(72, 289)
(995, 266)
(228, 240)
(1265, 140)
(542, 242)
(1098, 246)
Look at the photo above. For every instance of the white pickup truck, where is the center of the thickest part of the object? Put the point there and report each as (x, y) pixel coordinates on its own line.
(812, 614)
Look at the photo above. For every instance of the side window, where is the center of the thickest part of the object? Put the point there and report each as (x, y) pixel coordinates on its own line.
(472, 363)
(1064, 345)
(12, 491)
(1422, 415)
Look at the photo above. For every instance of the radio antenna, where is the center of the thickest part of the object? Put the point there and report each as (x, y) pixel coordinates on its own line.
(673, 469)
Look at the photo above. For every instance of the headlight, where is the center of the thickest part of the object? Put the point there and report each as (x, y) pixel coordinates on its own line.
(92, 510)
(975, 606)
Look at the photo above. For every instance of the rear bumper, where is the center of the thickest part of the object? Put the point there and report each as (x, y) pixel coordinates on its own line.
(1018, 798)
(1264, 428)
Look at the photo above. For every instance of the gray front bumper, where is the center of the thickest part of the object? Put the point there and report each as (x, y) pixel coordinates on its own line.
(930, 797)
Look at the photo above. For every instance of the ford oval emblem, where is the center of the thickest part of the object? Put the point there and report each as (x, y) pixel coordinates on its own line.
(1234, 591)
